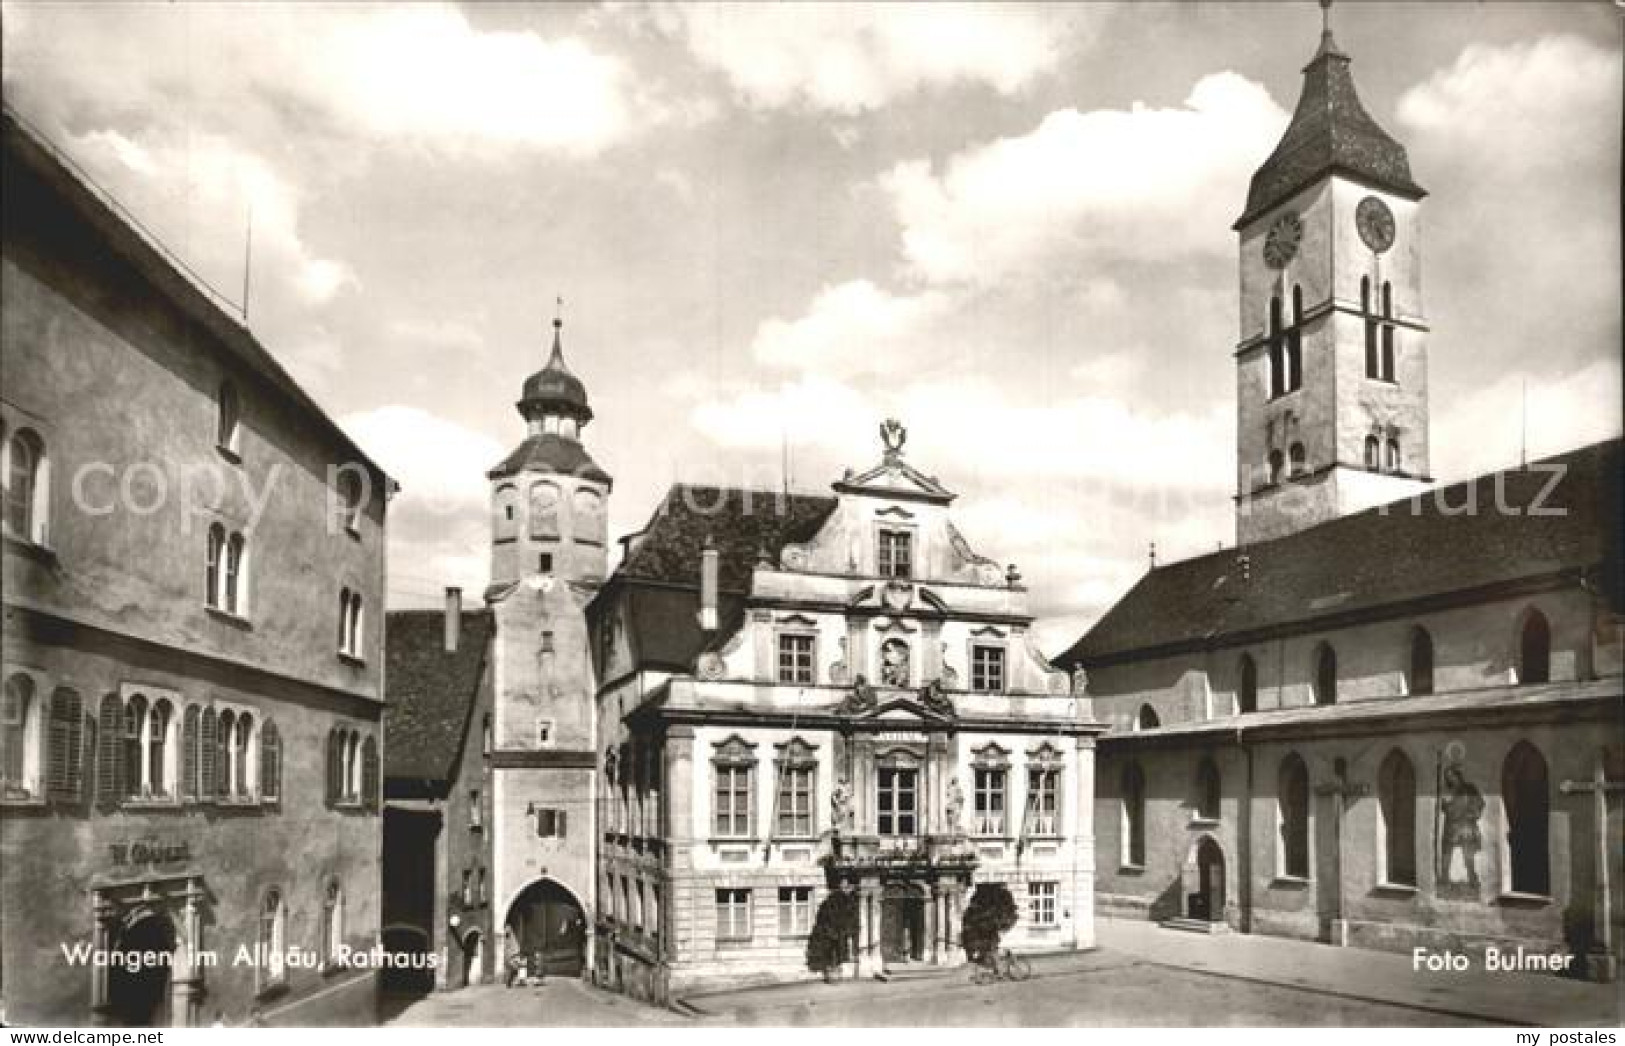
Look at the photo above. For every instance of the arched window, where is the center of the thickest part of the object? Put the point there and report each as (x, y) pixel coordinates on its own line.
(1535, 649)
(1297, 458)
(25, 487)
(160, 749)
(235, 600)
(1525, 791)
(504, 513)
(212, 586)
(1208, 790)
(355, 624)
(189, 752)
(350, 491)
(371, 779)
(1247, 685)
(1325, 675)
(1373, 454)
(270, 762)
(135, 719)
(64, 747)
(1293, 815)
(1371, 367)
(1387, 331)
(1277, 353)
(1392, 462)
(1148, 719)
(333, 923)
(1277, 465)
(227, 424)
(242, 747)
(1396, 800)
(1294, 343)
(1133, 816)
(352, 767)
(1419, 680)
(273, 934)
(225, 759)
(110, 750)
(18, 746)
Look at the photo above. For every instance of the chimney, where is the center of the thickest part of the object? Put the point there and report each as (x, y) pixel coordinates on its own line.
(708, 587)
(454, 617)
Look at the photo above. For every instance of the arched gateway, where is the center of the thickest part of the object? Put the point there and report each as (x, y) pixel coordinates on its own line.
(1205, 881)
(138, 992)
(546, 923)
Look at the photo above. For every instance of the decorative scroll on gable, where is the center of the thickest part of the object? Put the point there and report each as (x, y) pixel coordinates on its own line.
(734, 751)
(1056, 680)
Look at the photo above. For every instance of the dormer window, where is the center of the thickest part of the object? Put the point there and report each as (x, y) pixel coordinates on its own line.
(895, 554)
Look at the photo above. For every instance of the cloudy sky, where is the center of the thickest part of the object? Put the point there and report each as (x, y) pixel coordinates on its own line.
(1008, 226)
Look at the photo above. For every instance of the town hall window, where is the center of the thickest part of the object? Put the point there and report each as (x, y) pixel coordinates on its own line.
(795, 911)
(796, 659)
(797, 788)
(18, 759)
(733, 915)
(1044, 794)
(897, 792)
(733, 769)
(989, 775)
(1041, 903)
(987, 668)
(896, 554)
(25, 472)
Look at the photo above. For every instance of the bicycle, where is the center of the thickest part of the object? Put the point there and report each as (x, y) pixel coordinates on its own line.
(1002, 965)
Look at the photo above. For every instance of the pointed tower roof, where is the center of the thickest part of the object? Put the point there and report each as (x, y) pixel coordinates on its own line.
(553, 389)
(1330, 133)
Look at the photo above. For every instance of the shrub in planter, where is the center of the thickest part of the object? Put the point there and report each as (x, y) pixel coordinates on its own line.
(834, 930)
(990, 913)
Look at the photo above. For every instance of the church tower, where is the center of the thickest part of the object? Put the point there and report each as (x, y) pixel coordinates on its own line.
(1331, 368)
(548, 559)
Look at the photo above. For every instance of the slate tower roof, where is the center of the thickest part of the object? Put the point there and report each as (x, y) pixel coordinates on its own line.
(1330, 133)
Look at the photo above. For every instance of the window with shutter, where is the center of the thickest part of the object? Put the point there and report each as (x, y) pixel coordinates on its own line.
(226, 730)
(110, 750)
(207, 749)
(65, 758)
(189, 752)
(335, 740)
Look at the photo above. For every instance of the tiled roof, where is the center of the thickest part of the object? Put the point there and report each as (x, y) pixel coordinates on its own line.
(1330, 131)
(551, 453)
(1402, 552)
(1361, 714)
(431, 693)
(743, 524)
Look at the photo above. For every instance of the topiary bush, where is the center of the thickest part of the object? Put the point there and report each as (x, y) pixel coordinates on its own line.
(990, 913)
(834, 930)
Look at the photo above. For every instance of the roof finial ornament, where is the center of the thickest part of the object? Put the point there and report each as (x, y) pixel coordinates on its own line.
(893, 435)
(1151, 554)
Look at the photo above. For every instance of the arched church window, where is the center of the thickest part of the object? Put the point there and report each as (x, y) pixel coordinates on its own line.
(1208, 790)
(1396, 802)
(1325, 685)
(1294, 343)
(1292, 814)
(1419, 680)
(1387, 331)
(1393, 454)
(1297, 458)
(1370, 322)
(1247, 686)
(1277, 356)
(1535, 649)
(1373, 452)
(1527, 795)
(1147, 719)
(1133, 827)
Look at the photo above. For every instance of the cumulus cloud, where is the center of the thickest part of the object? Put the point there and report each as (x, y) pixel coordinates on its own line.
(849, 58)
(852, 327)
(1485, 429)
(417, 74)
(1101, 185)
(438, 532)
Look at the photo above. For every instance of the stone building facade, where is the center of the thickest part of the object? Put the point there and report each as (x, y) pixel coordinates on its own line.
(549, 532)
(437, 796)
(192, 651)
(803, 695)
(1389, 726)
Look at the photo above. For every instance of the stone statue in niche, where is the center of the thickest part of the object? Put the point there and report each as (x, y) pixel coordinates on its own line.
(953, 806)
(894, 666)
(840, 806)
(1461, 806)
(935, 700)
(860, 700)
(544, 511)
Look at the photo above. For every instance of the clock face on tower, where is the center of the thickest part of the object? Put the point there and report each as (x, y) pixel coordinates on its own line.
(1281, 242)
(1376, 223)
